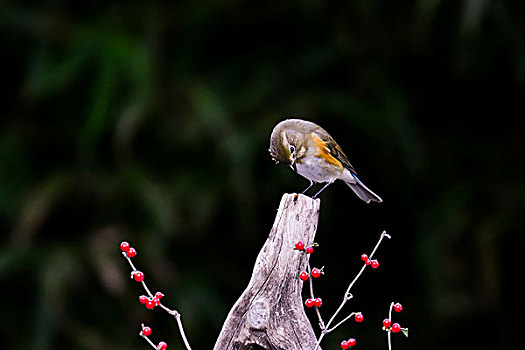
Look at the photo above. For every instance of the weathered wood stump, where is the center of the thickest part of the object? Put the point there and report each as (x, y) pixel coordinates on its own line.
(270, 312)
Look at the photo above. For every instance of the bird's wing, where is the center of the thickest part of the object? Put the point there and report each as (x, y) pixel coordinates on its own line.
(331, 151)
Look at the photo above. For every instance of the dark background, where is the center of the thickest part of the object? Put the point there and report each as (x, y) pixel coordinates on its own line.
(150, 122)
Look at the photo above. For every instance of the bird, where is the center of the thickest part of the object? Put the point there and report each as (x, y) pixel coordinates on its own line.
(312, 153)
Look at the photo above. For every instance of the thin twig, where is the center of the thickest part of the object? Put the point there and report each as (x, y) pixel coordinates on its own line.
(148, 340)
(174, 313)
(177, 317)
(348, 295)
(341, 322)
(388, 331)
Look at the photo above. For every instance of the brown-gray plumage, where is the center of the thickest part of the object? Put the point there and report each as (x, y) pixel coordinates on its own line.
(313, 153)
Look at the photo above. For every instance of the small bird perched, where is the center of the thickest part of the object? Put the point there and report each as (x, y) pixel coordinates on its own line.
(311, 152)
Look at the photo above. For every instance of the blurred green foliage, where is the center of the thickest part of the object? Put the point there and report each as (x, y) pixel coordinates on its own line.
(149, 121)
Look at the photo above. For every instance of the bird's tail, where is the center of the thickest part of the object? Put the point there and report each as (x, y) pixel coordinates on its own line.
(361, 190)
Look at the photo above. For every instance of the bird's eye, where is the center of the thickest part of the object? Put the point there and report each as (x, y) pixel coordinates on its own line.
(292, 149)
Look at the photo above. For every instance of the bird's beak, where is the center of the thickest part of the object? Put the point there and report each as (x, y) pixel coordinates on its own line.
(293, 166)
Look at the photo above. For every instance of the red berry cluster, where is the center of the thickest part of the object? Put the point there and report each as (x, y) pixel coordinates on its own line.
(151, 302)
(345, 344)
(313, 302)
(129, 250)
(146, 332)
(387, 323)
(315, 273)
(373, 263)
(302, 247)
(395, 327)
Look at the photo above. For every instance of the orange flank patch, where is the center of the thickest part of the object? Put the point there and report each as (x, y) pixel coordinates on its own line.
(324, 152)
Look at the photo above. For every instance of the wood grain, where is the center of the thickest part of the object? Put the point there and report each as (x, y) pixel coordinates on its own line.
(270, 312)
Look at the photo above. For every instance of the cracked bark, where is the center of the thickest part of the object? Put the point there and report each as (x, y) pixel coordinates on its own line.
(270, 314)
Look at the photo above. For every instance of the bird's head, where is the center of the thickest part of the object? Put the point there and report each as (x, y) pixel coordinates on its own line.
(285, 144)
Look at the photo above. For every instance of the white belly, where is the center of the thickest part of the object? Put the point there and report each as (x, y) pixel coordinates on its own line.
(317, 170)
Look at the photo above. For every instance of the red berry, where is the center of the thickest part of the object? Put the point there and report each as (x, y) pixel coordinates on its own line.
(303, 275)
(146, 331)
(299, 245)
(150, 304)
(375, 264)
(351, 341)
(124, 246)
(368, 261)
(386, 322)
(310, 250)
(309, 302)
(398, 307)
(364, 257)
(143, 299)
(316, 273)
(359, 317)
(131, 252)
(138, 276)
(344, 344)
(396, 327)
(162, 346)
(318, 302)
(157, 298)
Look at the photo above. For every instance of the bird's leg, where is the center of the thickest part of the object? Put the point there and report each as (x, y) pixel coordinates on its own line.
(307, 188)
(321, 190)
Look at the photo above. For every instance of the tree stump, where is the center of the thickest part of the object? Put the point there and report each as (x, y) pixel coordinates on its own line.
(270, 312)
